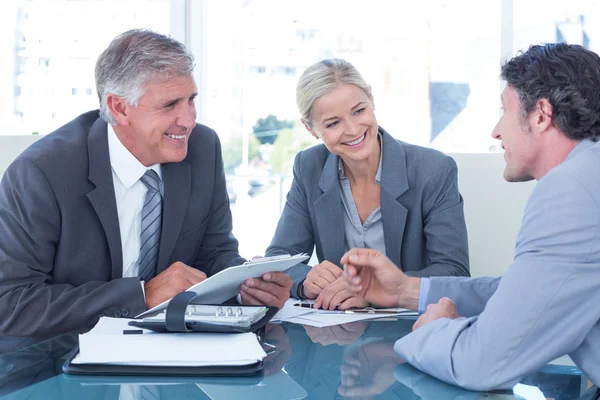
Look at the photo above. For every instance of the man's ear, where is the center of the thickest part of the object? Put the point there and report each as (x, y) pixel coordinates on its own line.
(543, 115)
(118, 107)
(309, 128)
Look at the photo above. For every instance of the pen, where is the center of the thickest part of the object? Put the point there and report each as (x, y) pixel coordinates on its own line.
(304, 305)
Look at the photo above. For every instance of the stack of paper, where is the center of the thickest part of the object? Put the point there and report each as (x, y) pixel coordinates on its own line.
(320, 318)
(106, 344)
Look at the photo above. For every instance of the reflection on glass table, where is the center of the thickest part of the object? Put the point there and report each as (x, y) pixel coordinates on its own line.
(354, 361)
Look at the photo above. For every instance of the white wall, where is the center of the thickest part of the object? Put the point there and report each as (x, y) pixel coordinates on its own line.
(493, 211)
(12, 146)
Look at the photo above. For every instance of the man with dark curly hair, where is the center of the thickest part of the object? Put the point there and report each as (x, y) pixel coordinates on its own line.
(488, 333)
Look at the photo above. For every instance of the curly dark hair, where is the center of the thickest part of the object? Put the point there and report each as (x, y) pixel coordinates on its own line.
(568, 76)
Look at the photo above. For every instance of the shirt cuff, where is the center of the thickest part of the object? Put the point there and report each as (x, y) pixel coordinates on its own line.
(423, 292)
(300, 291)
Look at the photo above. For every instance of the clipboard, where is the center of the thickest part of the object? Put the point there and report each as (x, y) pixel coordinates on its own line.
(226, 284)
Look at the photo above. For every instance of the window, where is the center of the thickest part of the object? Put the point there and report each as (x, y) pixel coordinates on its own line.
(574, 22)
(433, 67)
(50, 54)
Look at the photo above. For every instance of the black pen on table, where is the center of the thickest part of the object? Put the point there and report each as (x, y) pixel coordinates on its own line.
(304, 305)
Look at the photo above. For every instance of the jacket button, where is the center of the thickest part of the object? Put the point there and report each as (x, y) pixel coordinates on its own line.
(117, 314)
(124, 312)
(9, 367)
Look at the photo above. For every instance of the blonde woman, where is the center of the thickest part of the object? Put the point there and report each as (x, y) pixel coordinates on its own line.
(363, 188)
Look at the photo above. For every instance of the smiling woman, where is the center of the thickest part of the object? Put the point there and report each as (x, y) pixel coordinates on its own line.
(362, 188)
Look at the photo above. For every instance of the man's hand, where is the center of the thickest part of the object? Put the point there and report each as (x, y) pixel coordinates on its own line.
(319, 277)
(337, 334)
(338, 294)
(375, 278)
(173, 280)
(445, 308)
(272, 290)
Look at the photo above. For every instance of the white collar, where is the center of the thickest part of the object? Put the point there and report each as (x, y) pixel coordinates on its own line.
(127, 168)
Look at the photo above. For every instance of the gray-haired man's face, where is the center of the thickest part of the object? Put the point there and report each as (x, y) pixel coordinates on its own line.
(157, 129)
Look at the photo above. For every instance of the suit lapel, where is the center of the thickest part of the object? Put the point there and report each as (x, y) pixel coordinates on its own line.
(177, 178)
(102, 197)
(328, 212)
(394, 182)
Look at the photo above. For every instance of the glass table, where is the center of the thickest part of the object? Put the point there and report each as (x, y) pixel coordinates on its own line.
(347, 361)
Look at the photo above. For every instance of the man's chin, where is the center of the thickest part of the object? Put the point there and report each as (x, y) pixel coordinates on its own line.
(176, 156)
(515, 177)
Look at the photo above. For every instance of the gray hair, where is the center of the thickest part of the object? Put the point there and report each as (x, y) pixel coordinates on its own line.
(321, 78)
(132, 59)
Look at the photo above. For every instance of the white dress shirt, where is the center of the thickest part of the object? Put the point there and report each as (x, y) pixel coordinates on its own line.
(130, 193)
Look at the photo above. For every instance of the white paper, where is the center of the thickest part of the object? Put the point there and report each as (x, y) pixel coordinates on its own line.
(320, 318)
(112, 326)
(170, 349)
(226, 284)
(289, 311)
(528, 392)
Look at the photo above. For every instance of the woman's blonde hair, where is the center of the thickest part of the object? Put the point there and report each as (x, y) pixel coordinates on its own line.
(321, 78)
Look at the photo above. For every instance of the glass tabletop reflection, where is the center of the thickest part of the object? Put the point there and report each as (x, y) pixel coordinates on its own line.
(347, 361)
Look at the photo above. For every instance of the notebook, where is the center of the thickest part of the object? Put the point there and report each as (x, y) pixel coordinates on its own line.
(238, 316)
(107, 350)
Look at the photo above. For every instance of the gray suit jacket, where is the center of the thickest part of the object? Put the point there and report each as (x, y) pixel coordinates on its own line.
(546, 304)
(60, 249)
(422, 211)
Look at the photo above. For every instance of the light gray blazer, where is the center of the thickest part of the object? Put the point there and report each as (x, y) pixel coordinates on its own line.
(61, 260)
(421, 207)
(546, 305)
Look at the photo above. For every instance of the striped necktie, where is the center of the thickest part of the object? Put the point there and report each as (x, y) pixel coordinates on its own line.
(151, 225)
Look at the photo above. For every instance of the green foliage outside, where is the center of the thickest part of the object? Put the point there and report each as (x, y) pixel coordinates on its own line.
(232, 151)
(286, 140)
(288, 143)
(267, 129)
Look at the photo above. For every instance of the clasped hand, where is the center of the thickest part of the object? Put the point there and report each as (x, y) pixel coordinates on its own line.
(325, 284)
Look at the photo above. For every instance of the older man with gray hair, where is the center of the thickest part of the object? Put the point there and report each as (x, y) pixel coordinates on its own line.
(121, 208)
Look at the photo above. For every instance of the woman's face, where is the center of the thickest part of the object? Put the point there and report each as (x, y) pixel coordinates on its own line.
(344, 119)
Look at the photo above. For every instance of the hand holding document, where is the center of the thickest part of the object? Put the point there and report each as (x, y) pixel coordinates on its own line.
(226, 284)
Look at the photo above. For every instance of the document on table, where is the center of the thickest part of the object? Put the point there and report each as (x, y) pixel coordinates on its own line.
(106, 344)
(320, 318)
